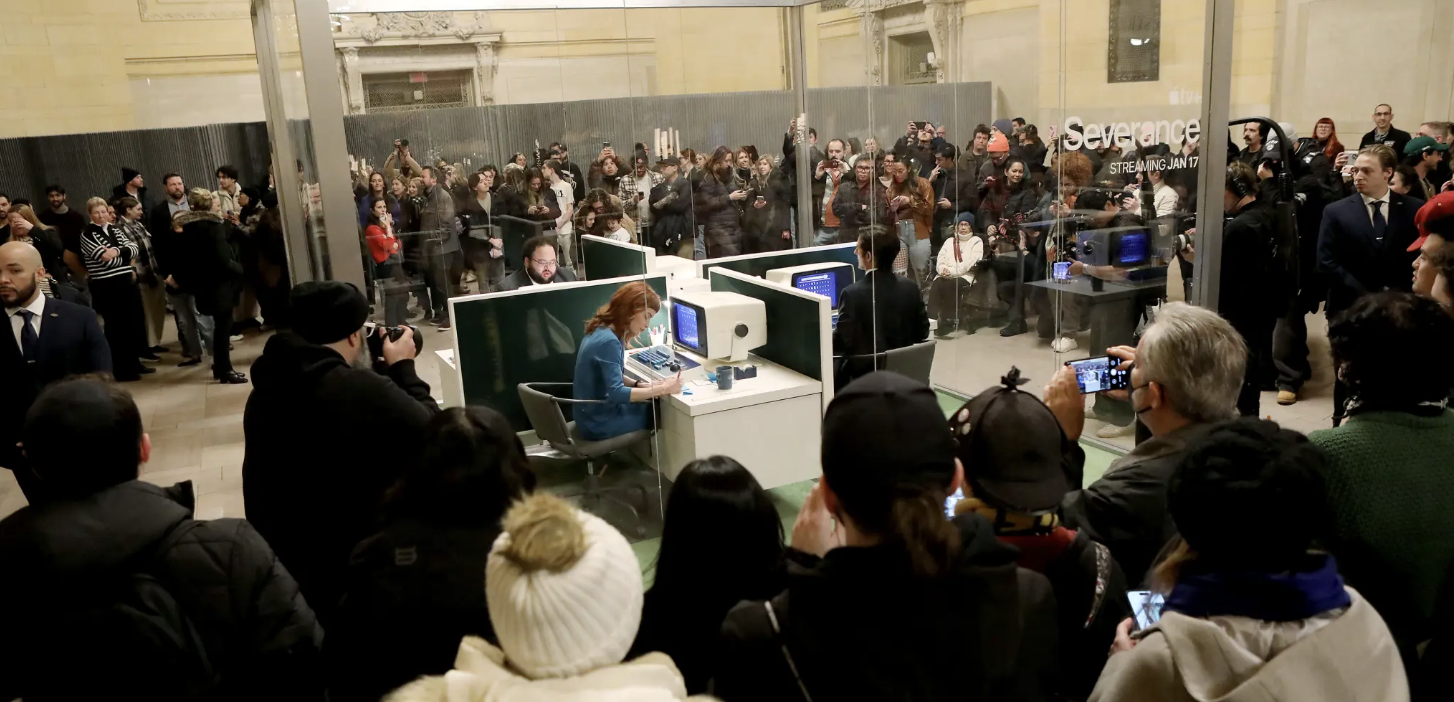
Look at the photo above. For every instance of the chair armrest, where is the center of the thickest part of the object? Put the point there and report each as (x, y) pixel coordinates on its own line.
(569, 401)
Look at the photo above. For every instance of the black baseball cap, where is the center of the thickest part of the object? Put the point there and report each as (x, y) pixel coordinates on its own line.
(884, 433)
(1012, 448)
(668, 161)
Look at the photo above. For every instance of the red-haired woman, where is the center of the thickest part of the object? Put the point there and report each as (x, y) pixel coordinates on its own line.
(599, 376)
(1326, 134)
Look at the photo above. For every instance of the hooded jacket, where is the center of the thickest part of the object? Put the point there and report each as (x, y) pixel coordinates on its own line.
(261, 638)
(859, 626)
(481, 673)
(323, 441)
(1349, 657)
(200, 259)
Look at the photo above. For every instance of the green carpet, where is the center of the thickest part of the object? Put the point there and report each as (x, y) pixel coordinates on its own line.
(790, 498)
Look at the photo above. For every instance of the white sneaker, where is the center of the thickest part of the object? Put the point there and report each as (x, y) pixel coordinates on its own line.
(235, 337)
(1064, 344)
(1111, 431)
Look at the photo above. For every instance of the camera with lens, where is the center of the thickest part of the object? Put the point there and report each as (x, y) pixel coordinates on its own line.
(374, 336)
(1186, 226)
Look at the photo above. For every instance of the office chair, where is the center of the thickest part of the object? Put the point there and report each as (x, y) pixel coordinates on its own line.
(914, 362)
(543, 408)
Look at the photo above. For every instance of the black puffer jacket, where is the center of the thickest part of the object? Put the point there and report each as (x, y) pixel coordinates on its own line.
(718, 212)
(261, 638)
(323, 442)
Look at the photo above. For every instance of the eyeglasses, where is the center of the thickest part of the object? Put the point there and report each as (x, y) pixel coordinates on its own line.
(544, 264)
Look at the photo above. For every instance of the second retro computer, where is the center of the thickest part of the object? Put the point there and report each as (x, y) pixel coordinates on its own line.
(826, 279)
(715, 326)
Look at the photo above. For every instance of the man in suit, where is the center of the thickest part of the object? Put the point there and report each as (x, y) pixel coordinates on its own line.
(539, 267)
(49, 339)
(880, 313)
(1364, 241)
(1384, 132)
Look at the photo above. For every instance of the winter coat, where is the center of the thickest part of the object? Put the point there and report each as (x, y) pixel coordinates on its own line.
(718, 212)
(674, 220)
(1126, 508)
(848, 205)
(971, 252)
(920, 206)
(260, 638)
(304, 420)
(201, 260)
(860, 626)
(415, 589)
(763, 228)
(1347, 656)
(481, 674)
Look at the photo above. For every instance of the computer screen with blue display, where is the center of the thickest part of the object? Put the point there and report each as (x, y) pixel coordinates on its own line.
(684, 323)
(824, 283)
(1135, 247)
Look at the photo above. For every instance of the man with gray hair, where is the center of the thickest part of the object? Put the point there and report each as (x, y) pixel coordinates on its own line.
(1185, 377)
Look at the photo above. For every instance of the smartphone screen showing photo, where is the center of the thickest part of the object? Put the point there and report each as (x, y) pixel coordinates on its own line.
(1062, 270)
(951, 501)
(1145, 607)
(1099, 374)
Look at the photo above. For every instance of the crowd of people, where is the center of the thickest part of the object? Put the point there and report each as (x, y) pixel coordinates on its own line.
(394, 550)
(936, 558)
(207, 257)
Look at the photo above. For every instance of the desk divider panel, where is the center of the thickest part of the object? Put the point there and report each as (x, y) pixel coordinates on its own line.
(530, 335)
(757, 265)
(799, 325)
(607, 258)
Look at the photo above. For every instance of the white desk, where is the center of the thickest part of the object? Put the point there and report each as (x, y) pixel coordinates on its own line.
(449, 378)
(770, 424)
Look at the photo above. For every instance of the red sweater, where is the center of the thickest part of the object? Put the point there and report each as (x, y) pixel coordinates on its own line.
(381, 243)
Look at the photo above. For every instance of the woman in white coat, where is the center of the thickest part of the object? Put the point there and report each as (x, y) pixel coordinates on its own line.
(1252, 614)
(957, 272)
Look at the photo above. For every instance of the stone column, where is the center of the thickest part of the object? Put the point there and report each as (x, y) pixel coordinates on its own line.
(353, 81)
(941, 17)
(485, 64)
(873, 28)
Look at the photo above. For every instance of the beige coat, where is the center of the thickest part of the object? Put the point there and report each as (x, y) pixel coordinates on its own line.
(1349, 658)
(481, 675)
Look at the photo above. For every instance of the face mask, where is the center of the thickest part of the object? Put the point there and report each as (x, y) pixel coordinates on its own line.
(1142, 410)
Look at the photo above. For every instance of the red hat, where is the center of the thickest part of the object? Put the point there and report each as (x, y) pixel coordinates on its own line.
(1435, 217)
(998, 144)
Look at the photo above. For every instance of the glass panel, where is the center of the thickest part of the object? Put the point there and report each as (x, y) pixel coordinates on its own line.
(1120, 183)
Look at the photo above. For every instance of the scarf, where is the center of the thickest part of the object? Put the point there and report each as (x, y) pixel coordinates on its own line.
(1271, 597)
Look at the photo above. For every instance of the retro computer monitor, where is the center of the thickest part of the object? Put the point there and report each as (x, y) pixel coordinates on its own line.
(718, 325)
(826, 279)
(1123, 248)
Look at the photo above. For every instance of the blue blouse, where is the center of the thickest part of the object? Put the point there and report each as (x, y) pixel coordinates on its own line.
(598, 377)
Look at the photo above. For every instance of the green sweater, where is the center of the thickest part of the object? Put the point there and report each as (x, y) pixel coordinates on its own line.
(1390, 481)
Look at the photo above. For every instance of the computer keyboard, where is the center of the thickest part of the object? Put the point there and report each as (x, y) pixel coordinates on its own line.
(660, 362)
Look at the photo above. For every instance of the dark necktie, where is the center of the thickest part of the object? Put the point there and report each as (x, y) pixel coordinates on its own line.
(1380, 225)
(29, 340)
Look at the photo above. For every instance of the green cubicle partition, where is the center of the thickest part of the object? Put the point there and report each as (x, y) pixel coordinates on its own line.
(607, 258)
(757, 265)
(799, 333)
(529, 335)
(514, 231)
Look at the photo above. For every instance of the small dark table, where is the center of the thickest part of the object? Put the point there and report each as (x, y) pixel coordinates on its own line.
(1114, 309)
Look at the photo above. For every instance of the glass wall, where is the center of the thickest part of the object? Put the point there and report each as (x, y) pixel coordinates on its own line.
(1029, 170)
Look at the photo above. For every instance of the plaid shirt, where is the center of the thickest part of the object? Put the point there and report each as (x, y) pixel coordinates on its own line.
(626, 190)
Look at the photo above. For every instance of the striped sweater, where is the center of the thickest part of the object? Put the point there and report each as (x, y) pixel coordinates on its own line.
(95, 240)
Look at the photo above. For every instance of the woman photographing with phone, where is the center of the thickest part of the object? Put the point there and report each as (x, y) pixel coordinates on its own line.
(388, 272)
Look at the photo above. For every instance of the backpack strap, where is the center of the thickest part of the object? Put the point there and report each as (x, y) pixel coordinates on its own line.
(1103, 576)
(783, 644)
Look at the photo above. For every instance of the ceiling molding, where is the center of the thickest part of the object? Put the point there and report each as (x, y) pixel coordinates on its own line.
(178, 10)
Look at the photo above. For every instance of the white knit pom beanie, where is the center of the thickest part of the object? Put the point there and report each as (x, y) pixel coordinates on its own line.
(564, 590)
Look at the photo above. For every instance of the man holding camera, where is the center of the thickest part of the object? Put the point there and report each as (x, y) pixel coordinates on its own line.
(326, 435)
